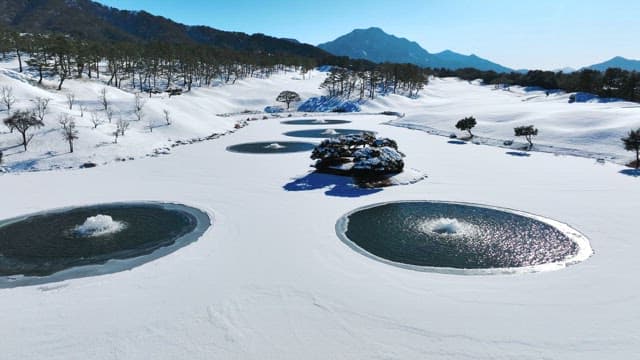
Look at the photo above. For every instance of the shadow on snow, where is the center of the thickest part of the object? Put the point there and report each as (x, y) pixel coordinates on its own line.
(341, 186)
(631, 172)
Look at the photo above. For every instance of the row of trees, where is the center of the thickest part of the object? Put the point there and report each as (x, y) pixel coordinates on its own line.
(631, 142)
(366, 81)
(527, 131)
(147, 67)
(612, 83)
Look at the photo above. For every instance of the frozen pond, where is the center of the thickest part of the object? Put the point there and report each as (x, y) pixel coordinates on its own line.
(67, 243)
(271, 147)
(316, 122)
(462, 238)
(325, 133)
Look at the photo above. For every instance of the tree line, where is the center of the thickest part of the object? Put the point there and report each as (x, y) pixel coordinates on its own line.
(147, 67)
(612, 83)
(364, 80)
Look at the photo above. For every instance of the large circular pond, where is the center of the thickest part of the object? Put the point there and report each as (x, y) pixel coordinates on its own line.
(325, 133)
(271, 147)
(461, 238)
(315, 122)
(92, 240)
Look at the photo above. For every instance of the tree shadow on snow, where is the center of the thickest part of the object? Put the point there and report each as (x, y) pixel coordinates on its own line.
(341, 186)
(518, 153)
(631, 172)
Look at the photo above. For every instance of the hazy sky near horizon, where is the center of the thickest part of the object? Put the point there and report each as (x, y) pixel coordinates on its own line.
(541, 34)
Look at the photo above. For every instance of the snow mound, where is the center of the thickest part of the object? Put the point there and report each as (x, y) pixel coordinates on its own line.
(328, 104)
(99, 225)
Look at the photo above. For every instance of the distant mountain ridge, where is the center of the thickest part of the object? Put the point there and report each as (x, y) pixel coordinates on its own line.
(375, 45)
(616, 62)
(89, 20)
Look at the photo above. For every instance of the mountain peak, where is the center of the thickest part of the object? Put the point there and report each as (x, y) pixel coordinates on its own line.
(375, 45)
(617, 62)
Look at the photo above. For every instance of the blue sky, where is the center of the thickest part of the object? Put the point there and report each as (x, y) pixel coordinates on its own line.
(543, 34)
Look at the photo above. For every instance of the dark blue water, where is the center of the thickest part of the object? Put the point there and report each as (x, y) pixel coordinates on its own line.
(324, 134)
(315, 122)
(408, 232)
(44, 244)
(271, 147)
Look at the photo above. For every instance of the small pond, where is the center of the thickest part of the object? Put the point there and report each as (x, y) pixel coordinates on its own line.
(271, 147)
(325, 133)
(315, 122)
(461, 238)
(91, 240)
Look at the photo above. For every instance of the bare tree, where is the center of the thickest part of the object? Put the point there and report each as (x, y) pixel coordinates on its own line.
(109, 113)
(83, 108)
(69, 132)
(71, 99)
(7, 98)
(138, 106)
(96, 120)
(151, 124)
(121, 127)
(103, 99)
(22, 121)
(167, 116)
(40, 109)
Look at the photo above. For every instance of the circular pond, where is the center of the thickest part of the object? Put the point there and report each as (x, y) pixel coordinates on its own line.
(325, 133)
(92, 240)
(461, 238)
(315, 122)
(271, 147)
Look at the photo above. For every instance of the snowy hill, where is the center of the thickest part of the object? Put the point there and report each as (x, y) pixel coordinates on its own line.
(193, 115)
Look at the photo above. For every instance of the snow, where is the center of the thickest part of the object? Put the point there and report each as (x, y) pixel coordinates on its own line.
(584, 129)
(271, 279)
(99, 225)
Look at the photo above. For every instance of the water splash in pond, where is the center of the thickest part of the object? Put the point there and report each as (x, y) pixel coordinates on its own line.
(446, 226)
(99, 225)
(275, 146)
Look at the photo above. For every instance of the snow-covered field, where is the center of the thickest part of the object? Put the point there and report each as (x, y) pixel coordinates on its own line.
(271, 279)
(583, 129)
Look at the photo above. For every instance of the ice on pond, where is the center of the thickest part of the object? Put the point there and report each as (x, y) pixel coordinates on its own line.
(99, 225)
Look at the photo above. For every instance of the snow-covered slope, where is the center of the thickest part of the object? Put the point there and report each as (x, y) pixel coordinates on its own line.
(193, 115)
(581, 127)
